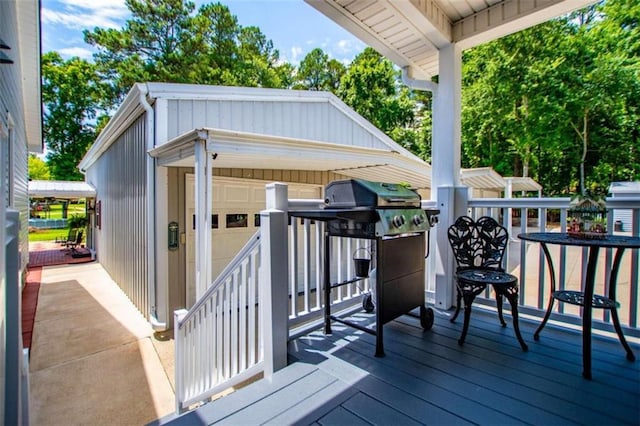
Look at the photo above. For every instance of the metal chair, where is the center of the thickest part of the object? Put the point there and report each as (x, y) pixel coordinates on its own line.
(479, 248)
(71, 236)
(71, 245)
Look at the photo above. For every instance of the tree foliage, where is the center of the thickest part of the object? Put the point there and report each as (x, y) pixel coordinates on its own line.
(38, 168)
(72, 93)
(318, 72)
(557, 102)
(168, 41)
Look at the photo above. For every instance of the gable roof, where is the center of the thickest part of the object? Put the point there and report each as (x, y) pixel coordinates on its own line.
(380, 150)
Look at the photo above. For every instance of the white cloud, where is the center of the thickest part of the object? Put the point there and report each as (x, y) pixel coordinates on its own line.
(80, 52)
(296, 52)
(80, 14)
(348, 46)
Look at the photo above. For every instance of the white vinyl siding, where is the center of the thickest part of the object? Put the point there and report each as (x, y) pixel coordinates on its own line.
(314, 120)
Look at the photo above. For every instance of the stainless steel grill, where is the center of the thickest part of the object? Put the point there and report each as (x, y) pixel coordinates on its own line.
(391, 215)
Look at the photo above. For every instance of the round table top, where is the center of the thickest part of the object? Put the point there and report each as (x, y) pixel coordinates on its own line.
(483, 276)
(563, 238)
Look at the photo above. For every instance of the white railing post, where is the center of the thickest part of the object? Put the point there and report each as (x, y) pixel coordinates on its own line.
(274, 277)
(179, 345)
(452, 203)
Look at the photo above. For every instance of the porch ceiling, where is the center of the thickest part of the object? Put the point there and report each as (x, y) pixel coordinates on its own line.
(258, 151)
(410, 32)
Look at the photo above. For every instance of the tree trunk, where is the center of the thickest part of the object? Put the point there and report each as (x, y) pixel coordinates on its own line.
(585, 120)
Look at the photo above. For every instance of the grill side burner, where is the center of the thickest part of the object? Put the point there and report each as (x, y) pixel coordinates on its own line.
(390, 214)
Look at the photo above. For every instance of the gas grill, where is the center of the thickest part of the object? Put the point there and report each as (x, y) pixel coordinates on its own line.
(391, 215)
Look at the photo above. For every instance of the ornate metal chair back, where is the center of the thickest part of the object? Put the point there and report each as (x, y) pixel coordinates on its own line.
(478, 245)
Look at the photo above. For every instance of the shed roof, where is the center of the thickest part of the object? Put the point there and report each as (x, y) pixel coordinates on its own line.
(132, 107)
(60, 189)
(626, 188)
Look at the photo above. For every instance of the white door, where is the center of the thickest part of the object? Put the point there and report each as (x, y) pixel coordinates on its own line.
(236, 205)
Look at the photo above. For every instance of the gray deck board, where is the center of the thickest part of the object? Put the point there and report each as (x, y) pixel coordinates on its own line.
(427, 378)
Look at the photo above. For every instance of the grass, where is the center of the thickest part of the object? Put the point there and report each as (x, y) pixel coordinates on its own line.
(47, 234)
(55, 212)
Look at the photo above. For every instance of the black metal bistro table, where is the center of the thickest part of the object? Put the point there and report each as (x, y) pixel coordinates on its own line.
(586, 299)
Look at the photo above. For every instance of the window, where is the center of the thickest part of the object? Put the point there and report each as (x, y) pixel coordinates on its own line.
(214, 221)
(237, 220)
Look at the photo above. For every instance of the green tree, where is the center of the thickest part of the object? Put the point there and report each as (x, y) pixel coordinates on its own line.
(72, 94)
(168, 41)
(557, 102)
(370, 86)
(38, 168)
(318, 72)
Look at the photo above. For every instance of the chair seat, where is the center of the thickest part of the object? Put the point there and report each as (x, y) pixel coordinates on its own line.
(480, 276)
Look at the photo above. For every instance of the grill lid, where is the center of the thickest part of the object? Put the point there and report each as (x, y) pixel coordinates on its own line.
(352, 193)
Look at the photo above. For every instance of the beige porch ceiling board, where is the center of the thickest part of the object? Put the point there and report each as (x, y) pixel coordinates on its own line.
(435, 23)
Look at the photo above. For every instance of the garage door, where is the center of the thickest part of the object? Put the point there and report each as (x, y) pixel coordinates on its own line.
(236, 207)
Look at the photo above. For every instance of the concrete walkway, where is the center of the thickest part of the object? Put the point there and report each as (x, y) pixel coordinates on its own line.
(94, 359)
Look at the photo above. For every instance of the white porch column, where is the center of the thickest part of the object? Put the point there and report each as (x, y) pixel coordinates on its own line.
(445, 165)
(203, 199)
(274, 277)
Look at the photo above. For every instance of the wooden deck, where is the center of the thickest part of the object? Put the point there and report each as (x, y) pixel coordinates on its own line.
(427, 378)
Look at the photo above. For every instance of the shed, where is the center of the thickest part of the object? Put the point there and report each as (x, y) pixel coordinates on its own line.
(629, 190)
(142, 167)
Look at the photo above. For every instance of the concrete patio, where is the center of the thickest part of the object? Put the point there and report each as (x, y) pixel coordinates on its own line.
(94, 358)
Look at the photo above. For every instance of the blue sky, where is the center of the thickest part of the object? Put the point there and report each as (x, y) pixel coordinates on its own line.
(294, 27)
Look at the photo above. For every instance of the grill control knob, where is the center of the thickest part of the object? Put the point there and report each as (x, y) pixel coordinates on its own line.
(418, 220)
(398, 221)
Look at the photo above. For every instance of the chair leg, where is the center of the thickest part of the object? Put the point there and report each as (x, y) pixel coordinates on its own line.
(536, 335)
(499, 306)
(513, 301)
(616, 325)
(458, 303)
(468, 300)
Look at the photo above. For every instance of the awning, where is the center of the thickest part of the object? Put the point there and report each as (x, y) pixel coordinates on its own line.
(519, 184)
(258, 151)
(60, 189)
(482, 178)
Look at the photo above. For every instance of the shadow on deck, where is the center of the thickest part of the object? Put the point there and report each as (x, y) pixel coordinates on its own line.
(427, 378)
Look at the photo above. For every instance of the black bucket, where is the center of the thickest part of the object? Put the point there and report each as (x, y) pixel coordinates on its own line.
(361, 264)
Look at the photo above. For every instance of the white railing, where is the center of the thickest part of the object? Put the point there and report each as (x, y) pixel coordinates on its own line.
(270, 292)
(306, 250)
(526, 260)
(218, 342)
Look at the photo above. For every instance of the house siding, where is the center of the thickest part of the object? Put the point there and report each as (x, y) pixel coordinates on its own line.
(317, 120)
(11, 104)
(119, 177)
